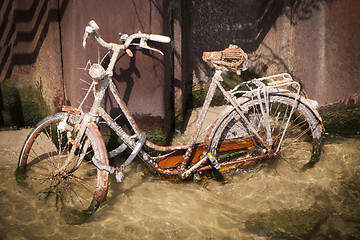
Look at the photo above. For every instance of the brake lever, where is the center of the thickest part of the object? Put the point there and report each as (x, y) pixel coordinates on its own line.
(154, 49)
(143, 44)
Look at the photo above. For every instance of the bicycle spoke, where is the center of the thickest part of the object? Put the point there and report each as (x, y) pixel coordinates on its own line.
(293, 129)
(43, 171)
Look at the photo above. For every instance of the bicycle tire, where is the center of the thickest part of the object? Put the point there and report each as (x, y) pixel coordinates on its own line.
(304, 131)
(45, 150)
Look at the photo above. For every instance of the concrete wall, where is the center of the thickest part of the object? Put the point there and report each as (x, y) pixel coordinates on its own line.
(314, 40)
(326, 51)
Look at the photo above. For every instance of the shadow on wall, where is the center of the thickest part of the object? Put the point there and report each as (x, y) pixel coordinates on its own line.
(22, 35)
(10, 37)
(216, 23)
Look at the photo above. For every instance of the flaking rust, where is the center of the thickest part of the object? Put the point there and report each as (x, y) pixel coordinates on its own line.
(232, 58)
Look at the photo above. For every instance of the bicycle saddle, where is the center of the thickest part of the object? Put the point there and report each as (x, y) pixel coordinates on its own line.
(232, 59)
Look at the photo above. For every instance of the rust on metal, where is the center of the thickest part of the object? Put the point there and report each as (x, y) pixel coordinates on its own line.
(229, 59)
(72, 110)
(229, 165)
(234, 144)
(185, 160)
(104, 159)
(175, 159)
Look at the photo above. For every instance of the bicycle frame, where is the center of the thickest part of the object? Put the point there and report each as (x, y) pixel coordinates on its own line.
(263, 118)
(103, 81)
(98, 111)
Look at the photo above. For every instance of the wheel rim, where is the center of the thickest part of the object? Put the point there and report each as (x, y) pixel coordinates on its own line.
(80, 189)
(299, 145)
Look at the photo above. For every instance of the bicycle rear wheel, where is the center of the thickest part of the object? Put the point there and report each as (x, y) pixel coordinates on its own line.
(43, 154)
(298, 144)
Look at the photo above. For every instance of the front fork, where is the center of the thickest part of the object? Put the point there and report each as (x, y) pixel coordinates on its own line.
(76, 143)
(81, 125)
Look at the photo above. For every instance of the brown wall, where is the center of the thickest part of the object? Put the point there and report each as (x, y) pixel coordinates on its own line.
(42, 58)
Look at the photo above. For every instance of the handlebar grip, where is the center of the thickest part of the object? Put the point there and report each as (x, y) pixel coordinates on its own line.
(93, 24)
(159, 38)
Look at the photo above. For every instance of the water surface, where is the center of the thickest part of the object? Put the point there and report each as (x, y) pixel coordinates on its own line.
(279, 201)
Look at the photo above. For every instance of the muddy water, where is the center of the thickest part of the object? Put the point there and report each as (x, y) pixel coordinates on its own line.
(278, 201)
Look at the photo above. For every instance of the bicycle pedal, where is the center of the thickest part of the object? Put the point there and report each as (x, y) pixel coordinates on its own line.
(119, 176)
(213, 161)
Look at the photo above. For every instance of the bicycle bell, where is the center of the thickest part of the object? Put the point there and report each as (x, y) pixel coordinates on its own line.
(97, 72)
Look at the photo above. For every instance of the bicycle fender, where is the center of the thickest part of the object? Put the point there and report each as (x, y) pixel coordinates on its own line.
(103, 157)
(312, 105)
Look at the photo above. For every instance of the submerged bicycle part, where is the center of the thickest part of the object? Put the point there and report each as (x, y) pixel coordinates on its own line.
(281, 83)
(232, 59)
(97, 72)
(64, 126)
(118, 171)
(77, 142)
(45, 151)
(213, 161)
(300, 138)
(265, 111)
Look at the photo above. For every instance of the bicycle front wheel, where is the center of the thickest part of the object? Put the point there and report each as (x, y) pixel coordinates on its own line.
(295, 135)
(41, 166)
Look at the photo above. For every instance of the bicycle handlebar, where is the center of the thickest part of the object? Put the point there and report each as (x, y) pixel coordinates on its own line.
(92, 29)
(145, 36)
(159, 38)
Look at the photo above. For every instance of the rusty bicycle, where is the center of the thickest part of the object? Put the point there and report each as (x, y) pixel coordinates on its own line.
(65, 160)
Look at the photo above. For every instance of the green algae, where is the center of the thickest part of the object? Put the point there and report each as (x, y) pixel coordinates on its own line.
(345, 123)
(20, 106)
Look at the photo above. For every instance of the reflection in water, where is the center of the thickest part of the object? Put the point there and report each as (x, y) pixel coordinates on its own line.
(279, 201)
